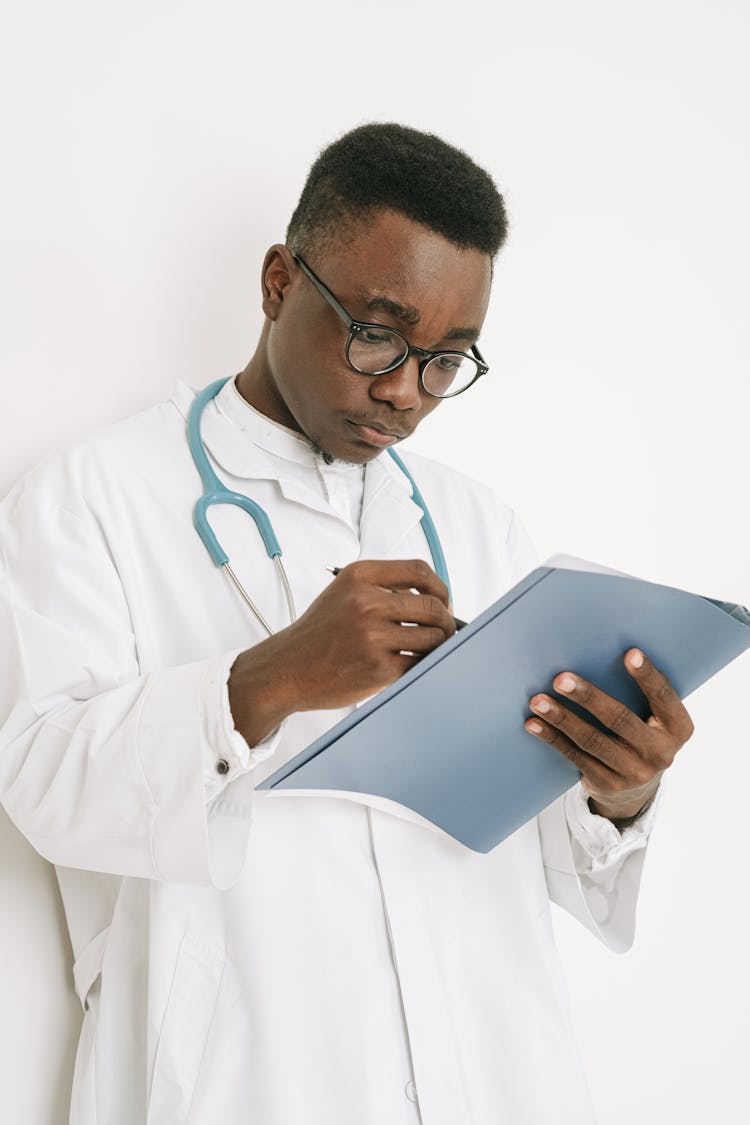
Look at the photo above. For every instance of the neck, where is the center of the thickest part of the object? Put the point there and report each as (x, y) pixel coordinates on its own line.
(257, 386)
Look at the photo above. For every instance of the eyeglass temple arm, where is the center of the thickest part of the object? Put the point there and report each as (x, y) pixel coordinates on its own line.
(478, 356)
(350, 322)
(324, 291)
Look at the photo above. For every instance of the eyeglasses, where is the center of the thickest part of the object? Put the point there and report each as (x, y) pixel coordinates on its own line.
(375, 349)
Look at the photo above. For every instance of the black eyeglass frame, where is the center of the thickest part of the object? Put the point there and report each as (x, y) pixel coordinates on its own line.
(355, 326)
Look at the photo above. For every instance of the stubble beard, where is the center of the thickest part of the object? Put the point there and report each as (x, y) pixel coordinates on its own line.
(319, 451)
(329, 458)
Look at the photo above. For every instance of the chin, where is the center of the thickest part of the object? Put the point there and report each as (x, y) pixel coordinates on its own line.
(347, 456)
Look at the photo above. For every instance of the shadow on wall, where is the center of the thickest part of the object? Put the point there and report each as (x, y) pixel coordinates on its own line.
(40, 1016)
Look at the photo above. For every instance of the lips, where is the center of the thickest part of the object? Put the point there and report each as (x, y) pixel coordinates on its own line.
(372, 433)
(388, 431)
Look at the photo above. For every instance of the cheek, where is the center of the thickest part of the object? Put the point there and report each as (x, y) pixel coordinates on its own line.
(428, 405)
(301, 357)
(318, 385)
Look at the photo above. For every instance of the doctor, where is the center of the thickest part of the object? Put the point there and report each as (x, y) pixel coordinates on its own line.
(293, 960)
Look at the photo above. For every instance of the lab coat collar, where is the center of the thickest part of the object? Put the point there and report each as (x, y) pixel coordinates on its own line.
(241, 440)
(249, 446)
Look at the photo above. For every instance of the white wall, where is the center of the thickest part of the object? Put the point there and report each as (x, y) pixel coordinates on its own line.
(154, 150)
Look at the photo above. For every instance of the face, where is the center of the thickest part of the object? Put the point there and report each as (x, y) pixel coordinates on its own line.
(394, 272)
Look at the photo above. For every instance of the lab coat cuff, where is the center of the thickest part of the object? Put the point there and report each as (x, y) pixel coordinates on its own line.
(228, 755)
(603, 844)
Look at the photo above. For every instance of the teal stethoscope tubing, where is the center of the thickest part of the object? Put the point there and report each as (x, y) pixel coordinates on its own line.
(214, 492)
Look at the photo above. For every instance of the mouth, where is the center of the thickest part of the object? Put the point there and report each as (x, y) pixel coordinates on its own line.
(373, 434)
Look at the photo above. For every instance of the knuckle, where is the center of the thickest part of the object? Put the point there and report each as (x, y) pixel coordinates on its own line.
(592, 741)
(362, 603)
(620, 719)
(663, 689)
(369, 643)
(642, 774)
(353, 572)
(568, 750)
(434, 638)
(421, 569)
(584, 692)
(560, 717)
(421, 640)
(371, 635)
(667, 753)
(434, 607)
(562, 743)
(658, 768)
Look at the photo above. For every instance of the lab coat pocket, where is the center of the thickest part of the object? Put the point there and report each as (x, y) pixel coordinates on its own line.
(187, 1022)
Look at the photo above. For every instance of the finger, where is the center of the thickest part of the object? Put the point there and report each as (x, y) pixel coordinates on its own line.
(414, 638)
(615, 715)
(666, 706)
(400, 574)
(419, 609)
(617, 756)
(407, 660)
(593, 770)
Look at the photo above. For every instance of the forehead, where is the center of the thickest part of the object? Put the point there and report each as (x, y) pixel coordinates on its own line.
(395, 259)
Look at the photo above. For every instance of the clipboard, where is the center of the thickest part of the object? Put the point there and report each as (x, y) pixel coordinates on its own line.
(447, 739)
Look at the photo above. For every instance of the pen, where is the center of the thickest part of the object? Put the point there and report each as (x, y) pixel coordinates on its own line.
(337, 570)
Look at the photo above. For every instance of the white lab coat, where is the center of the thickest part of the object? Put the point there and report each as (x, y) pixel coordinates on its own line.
(255, 958)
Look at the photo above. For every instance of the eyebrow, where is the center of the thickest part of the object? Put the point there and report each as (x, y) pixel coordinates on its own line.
(471, 334)
(410, 315)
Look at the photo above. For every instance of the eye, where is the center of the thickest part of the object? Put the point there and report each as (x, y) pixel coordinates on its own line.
(449, 363)
(375, 336)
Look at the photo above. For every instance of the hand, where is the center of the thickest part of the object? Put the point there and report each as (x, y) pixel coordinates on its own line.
(363, 632)
(620, 771)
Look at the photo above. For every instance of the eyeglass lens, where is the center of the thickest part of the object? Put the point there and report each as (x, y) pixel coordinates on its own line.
(374, 350)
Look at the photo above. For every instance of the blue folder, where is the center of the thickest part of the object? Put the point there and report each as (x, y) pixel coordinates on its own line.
(447, 739)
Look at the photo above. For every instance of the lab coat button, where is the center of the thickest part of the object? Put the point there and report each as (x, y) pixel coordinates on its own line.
(411, 1091)
(222, 766)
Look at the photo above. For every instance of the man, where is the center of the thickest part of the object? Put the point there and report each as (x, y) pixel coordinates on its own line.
(288, 960)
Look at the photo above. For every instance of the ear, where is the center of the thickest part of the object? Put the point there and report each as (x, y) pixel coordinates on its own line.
(278, 274)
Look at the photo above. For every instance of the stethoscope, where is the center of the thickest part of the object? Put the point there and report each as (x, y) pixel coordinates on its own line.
(214, 492)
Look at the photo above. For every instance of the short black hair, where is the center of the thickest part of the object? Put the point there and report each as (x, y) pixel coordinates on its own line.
(384, 165)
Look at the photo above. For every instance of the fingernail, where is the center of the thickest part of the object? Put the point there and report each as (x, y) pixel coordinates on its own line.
(541, 705)
(636, 659)
(566, 683)
(534, 727)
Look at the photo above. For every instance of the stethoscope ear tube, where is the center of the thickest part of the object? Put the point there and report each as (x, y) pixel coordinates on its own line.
(211, 482)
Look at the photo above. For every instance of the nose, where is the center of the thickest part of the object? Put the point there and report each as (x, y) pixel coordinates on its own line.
(399, 388)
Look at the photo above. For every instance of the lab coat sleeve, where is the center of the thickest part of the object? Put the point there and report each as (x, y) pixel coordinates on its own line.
(592, 869)
(102, 767)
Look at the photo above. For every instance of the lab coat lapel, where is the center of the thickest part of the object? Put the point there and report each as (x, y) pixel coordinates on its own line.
(241, 456)
(388, 512)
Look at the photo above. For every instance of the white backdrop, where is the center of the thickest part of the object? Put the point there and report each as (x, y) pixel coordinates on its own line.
(152, 153)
